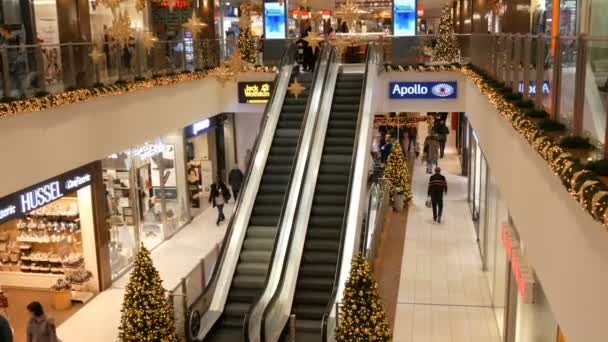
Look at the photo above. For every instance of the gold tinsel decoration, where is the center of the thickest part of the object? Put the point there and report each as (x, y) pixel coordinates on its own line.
(121, 28)
(400, 121)
(362, 316)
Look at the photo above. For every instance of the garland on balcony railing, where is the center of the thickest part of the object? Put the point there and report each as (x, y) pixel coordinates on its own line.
(583, 185)
(43, 101)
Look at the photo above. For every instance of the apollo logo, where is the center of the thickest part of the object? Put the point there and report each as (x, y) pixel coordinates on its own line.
(410, 90)
(442, 90)
(423, 90)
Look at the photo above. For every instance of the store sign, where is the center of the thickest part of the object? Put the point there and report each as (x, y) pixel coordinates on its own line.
(423, 90)
(200, 126)
(524, 276)
(176, 4)
(532, 88)
(148, 150)
(22, 202)
(254, 92)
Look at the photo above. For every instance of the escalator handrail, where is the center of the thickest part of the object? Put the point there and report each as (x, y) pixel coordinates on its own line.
(333, 62)
(301, 155)
(337, 278)
(287, 59)
(372, 208)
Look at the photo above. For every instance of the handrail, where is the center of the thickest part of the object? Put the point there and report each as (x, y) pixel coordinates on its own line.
(277, 311)
(201, 306)
(352, 223)
(371, 213)
(253, 318)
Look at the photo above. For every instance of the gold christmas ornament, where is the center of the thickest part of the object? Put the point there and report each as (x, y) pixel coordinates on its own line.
(235, 63)
(313, 39)
(244, 21)
(112, 5)
(121, 28)
(296, 88)
(97, 56)
(223, 75)
(349, 12)
(194, 25)
(149, 41)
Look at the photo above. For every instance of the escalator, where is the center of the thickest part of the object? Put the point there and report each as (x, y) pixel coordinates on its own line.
(256, 252)
(321, 249)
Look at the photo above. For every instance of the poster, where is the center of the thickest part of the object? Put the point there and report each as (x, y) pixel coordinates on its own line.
(274, 20)
(404, 12)
(47, 29)
(167, 158)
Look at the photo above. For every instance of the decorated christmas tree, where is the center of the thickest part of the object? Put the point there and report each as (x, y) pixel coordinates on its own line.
(397, 172)
(446, 49)
(146, 313)
(246, 46)
(362, 316)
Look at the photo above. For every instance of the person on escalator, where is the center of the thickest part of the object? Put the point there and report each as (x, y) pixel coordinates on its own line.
(219, 196)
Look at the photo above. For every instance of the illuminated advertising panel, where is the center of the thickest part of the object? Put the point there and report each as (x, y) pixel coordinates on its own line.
(274, 20)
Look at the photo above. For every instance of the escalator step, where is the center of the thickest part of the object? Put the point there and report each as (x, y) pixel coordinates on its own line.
(263, 221)
(340, 159)
(283, 150)
(287, 133)
(309, 311)
(236, 309)
(350, 85)
(341, 133)
(248, 282)
(243, 296)
(261, 232)
(265, 199)
(344, 149)
(330, 222)
(342, 124)
(272, 188)
(258, 244)
(316, 283)
(333, 179)
(337, 189)
(276, 179)
(289, 124)
(329, 169)
(327, 210)
(250, 268)
(277, 170)
(352, 115)
(282, 141)
(312, 297)
(319, 270)
(266, 210)
(280, 159)
(338, 141)
(321, 257)
(309, 326)
(321, 245)
(347, 92)
(255, 256)
(300, 100)
(350, 108)
(322, 233)
(292, 116)
(355, 100)
(350, 76)
(294, 108)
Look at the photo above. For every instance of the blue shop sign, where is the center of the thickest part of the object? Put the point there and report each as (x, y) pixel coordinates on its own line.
(423, 90)
(532, 88)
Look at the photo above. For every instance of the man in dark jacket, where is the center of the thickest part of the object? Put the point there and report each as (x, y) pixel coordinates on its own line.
(387, 148)
(6, 333)
(235, 179)
(442, 132)
(218, 197)
(438, 186)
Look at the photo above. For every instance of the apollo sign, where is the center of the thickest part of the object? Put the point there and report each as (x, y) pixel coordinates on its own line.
(423, 90)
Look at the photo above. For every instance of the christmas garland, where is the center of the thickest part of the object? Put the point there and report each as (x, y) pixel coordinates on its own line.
(399, 122)
(42, 101)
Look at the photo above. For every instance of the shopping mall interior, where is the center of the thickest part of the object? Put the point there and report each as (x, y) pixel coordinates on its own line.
(305, 170)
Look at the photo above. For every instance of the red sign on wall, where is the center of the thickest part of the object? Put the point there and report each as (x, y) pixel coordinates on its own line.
(519, 267)
(176, 4)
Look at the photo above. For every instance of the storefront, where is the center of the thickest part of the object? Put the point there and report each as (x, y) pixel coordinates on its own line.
(520, 306)
(51, 231)
(146, 197)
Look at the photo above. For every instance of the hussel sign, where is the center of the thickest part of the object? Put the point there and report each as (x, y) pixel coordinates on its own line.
(423, 90)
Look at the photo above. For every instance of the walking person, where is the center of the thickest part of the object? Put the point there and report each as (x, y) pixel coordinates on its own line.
(219, 196)
(387, 148)
(40, 328)
(6, 332)
(235, 179)
(438, 186)
(430, 153)
(412, 136)
(442, 131)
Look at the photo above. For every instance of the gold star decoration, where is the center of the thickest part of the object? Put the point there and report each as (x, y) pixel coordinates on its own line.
(223, 74)
(149, 41)
(341, 44)
(349, 12)
(194, 25)
(244, 21)
(313, 39)
(121, 28)
(296, 88)
(235, 63)
(97, 56)
(140, 5)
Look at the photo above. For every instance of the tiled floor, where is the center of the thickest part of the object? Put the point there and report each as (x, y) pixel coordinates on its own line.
(443, 295)
(173, 259)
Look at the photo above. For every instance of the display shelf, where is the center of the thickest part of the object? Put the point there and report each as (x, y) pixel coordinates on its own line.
(29, 280)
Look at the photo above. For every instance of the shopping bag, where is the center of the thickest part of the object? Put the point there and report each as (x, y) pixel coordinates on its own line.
(428, 203)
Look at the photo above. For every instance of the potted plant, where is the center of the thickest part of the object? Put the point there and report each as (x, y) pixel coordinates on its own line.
(600, 168)
(552, 128)
(579, 147)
